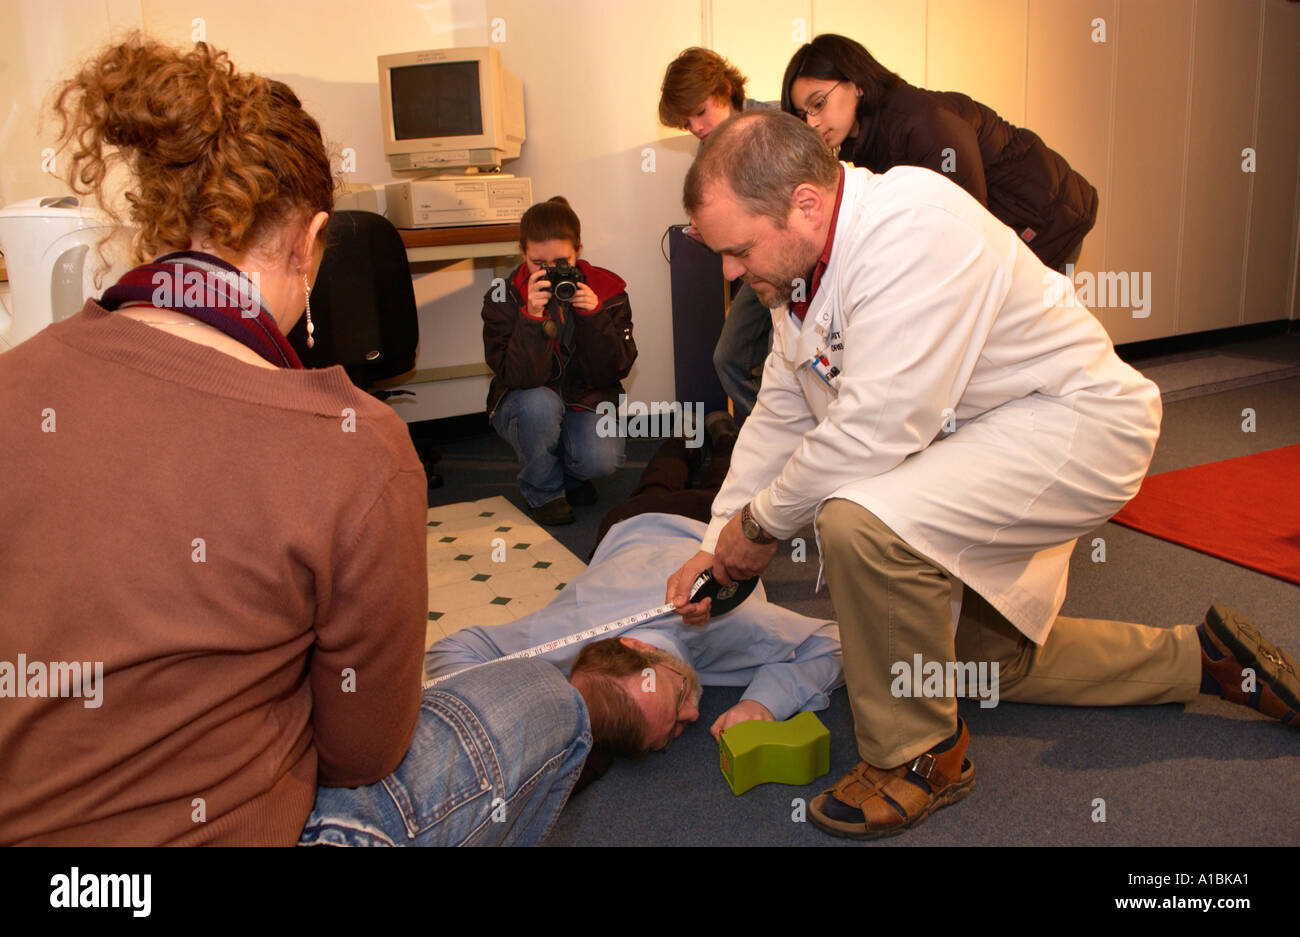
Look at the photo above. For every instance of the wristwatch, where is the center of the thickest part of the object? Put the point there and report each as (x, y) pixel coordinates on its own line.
(751, 528)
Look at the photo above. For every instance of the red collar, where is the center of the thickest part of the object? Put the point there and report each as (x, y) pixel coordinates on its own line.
(800, 309)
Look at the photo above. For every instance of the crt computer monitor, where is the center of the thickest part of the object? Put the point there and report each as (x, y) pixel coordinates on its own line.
(449, 109)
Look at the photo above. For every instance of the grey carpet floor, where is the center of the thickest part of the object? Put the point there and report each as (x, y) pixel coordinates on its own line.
(1208, 773)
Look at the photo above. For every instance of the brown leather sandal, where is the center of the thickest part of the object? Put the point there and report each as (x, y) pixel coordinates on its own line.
(889, 802)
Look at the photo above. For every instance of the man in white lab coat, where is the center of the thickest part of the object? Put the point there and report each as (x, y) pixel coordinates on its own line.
(948, 416)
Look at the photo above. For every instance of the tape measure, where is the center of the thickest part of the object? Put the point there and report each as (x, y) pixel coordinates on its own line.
(725, 598)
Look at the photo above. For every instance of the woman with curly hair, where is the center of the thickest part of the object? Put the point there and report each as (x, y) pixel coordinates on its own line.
(214, 560)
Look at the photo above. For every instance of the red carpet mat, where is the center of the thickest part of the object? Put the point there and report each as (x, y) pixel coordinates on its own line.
(1245, 511)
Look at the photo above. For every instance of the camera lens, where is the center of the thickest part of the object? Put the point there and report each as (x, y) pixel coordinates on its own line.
(565, 289)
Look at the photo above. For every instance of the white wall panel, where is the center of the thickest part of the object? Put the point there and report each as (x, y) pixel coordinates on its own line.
(1217, 195)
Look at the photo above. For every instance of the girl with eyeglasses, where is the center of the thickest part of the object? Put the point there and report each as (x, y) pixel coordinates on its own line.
(873, 118)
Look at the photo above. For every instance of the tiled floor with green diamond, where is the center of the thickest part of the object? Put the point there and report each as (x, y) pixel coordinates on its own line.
(490, 564)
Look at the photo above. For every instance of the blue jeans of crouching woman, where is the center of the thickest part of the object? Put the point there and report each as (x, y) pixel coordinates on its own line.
(496, 753)
(558, 447)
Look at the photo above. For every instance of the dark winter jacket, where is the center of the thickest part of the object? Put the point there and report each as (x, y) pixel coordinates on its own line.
(1009, 169)
(585, 357)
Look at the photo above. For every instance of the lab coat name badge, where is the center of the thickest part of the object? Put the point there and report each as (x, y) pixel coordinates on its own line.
(829, 373)
(820, 363)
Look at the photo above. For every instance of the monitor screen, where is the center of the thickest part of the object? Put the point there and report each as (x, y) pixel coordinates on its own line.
(440, 99)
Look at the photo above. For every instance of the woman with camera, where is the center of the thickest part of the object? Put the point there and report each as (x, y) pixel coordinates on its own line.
(558, 338)
(874, 119)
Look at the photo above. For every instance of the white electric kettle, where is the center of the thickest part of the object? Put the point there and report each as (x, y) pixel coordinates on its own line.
(46, 244)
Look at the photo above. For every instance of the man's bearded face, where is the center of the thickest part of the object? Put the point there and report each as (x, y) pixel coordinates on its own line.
(774, 261)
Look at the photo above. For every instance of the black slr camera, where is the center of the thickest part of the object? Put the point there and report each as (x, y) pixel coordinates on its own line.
(564, 280)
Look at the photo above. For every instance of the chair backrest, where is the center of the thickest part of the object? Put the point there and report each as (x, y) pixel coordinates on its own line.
(363, 304)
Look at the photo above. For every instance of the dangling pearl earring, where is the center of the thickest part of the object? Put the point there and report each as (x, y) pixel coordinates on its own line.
(311, 342)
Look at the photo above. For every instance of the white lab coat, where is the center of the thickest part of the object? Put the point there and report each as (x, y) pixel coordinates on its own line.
(978, 410)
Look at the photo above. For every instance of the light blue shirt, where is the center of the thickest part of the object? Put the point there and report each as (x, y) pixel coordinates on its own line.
(788, 662)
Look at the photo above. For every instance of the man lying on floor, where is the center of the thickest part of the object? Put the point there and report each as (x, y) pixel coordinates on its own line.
(788, 662)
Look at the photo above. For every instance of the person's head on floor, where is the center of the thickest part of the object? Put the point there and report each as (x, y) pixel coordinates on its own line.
(834, 83)
(220, 160)
(550, 233)
(639, 697)
(761, 193)
(701, 89)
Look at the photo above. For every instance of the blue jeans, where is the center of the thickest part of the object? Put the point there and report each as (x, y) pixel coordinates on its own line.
(742, 348)
(494, 757)
(559, 448)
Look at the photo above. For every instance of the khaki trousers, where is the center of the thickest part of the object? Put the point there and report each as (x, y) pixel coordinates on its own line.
(894, 603)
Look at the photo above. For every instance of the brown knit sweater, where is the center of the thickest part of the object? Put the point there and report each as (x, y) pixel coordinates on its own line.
(250, 573)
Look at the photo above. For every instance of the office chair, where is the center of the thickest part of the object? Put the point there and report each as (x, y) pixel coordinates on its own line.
(363, 310)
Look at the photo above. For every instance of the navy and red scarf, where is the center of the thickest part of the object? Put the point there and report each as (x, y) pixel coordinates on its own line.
(207, 288)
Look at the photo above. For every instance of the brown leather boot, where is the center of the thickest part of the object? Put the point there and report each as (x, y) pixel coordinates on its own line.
(1230, 647)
